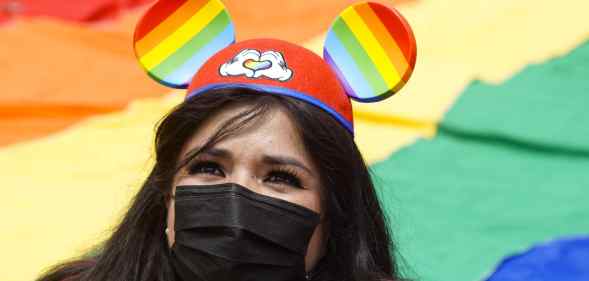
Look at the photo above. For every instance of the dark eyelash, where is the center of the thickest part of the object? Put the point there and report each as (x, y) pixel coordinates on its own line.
(211, 167)
(288, 177)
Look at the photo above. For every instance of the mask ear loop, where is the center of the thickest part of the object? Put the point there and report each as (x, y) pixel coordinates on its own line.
(168, 197)
(372, 50)
(174, 39)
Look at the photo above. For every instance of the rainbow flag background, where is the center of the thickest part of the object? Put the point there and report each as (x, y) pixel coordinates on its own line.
(483, 154)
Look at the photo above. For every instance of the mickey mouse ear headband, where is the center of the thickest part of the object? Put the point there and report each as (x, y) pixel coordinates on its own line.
(369, 55)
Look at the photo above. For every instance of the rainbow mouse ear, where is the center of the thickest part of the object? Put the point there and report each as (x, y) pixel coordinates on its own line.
(175, 37)
(372, 50)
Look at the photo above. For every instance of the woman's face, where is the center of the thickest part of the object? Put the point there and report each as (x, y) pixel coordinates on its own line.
(267, 157)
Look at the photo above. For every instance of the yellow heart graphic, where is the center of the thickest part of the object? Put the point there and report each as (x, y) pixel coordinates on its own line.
(256, 65)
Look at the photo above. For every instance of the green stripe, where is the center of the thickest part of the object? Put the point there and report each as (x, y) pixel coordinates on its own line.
(208, 34)
(361, 58)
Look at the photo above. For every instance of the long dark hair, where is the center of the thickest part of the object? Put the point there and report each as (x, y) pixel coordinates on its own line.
(359, 243)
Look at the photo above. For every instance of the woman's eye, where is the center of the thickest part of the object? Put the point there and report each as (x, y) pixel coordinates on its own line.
(282, 177)
(206, 167)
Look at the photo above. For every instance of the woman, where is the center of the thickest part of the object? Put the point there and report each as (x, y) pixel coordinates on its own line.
(257, 176)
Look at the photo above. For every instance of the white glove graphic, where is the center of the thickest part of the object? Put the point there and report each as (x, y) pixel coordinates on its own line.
(252, 64)
(235, 67)
(278, 71)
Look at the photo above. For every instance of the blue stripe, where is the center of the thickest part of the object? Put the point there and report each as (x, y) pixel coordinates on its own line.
(348, 68)
(183, 75)
(349, 90)
(278, 91)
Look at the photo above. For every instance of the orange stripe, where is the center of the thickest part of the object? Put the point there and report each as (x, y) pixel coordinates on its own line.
(32, 110)
(383, 37)
(160, 11)
(398, 28)
(168, 26)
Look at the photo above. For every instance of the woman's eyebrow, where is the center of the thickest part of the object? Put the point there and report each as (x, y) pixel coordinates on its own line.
(216, 152)
(284, 160)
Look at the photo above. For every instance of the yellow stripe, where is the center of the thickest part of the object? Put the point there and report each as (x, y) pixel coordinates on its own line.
(164, 29)
(383, 36)
(378, 56)
(181, 36)
(394, 121)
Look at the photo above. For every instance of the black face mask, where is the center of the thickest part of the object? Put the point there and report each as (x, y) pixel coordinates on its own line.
(227, 232)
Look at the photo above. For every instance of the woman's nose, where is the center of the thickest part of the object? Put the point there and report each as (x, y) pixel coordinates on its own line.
(245, 178)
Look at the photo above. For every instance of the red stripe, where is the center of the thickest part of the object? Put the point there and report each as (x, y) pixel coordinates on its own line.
(399, 30)
(160, 11)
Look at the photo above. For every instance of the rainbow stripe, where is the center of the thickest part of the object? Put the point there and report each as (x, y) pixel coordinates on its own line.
(175, 38)
(372, 50)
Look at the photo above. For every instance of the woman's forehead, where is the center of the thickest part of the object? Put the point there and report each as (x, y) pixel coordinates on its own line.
(272, 134)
